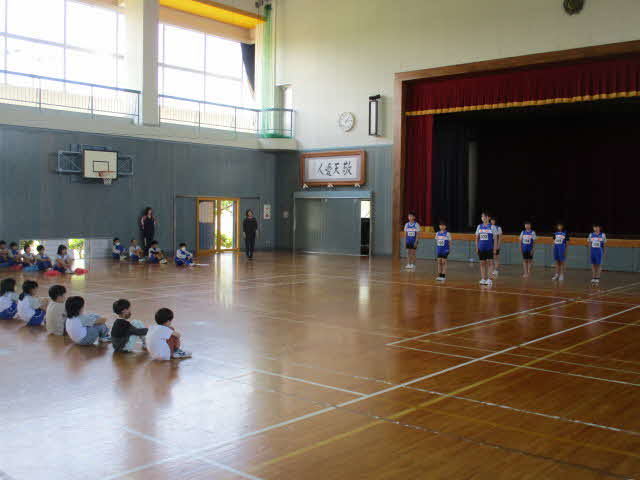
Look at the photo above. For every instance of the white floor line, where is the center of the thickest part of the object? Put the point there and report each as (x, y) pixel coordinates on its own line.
(359, 399)
(219, 465)
(583, 319)
(526, 367)
(295, 379)
(530, 412)
(522, 312)
(585, 365)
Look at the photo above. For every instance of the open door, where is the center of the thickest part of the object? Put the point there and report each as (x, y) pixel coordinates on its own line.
(217, 225)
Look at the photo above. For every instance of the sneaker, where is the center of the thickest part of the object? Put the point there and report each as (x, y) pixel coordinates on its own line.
(408, 266)
(561, 278)
(555, 277)
(483, 282)
(181, 354)
(596, 281)
(141, 260)
(488, 282)
(439, 279)
(68, 270)
(164, 260)
(106, 339)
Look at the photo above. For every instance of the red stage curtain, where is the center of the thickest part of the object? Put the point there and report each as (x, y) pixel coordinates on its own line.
(561, 83)
(418, 171)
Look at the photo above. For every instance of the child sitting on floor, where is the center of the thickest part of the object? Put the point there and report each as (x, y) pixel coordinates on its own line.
(84, 328)
(117, 250)
(15, 257)
(4, 254)
(156, 255)
(64, 261)
(8, 299)
(135, 252)
(43, 262)
(125, 333)
(163, 341)
(56, 315)
(29, 260)
(31, 309)
(184, 257)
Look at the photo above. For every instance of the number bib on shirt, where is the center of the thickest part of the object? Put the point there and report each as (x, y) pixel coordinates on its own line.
(441, 242)
(484, 237)
(411, 233)
(595, 243)
(526, 239)
(559, 240)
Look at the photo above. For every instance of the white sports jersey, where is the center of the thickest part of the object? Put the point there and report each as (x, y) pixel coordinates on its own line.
(183, 254)
(27, 307)
(7, 300)
(154, 251)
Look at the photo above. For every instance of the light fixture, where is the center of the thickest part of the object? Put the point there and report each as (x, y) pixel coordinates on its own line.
(373, 115)
(356, 185)
(330, 185)
(305, 186)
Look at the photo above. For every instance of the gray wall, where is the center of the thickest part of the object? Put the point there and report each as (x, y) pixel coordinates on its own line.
(37, 202)
(379, 182)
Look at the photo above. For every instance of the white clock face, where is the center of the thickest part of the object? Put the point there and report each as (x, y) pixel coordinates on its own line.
(346, 121)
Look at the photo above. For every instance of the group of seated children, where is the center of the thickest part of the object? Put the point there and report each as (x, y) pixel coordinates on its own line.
(38, 262)
(61, 314)
(155, 254)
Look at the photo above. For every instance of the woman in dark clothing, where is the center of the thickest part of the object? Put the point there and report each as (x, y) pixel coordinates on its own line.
(250, 230)
(148, 227)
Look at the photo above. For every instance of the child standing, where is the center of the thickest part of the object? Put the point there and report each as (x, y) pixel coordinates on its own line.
(443, 247)
(156, 255)
(84, 328)
(135, 252)
(43, 262)
(560, 249)
(498, 243)
(117, 250)
(527, 246)
(411, 231)
(163, 340)
(485, 245)
(8, 299)
(125, 333)
(31, 309)
(63, 260)
(56, 315)
(597, 240)
(184, 257)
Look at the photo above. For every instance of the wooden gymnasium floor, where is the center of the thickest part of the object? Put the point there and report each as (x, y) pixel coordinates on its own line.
(326, 367)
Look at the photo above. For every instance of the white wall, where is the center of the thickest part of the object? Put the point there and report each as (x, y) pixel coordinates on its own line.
(336, 53)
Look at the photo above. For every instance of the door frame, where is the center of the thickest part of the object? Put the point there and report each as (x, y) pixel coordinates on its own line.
(355, 195)
(236, 217)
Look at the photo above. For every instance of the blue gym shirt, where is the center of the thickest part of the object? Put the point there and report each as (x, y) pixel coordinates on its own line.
(527, 239)
(596, 247)
(486, 234)
(443, 240)
(411, 230)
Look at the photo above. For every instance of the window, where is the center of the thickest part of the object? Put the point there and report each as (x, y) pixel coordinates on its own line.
(65, 39)
(198, 66)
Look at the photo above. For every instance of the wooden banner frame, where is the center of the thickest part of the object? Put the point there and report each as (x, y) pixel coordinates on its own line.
(361, 180)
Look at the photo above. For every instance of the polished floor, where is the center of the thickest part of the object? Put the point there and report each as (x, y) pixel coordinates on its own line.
(327, 367)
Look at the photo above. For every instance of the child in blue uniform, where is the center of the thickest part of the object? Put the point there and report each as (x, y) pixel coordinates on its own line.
(527, 246)
(560, 249)
(497, 240)
(485, 245)
(135, 252)
(43, 262)
(63, 260)
(183, 256)
(15, 258)
(597, 240)
(443, 248)
(156, 255)
(8, 299)
(4, 254)
(29, 260)
(411, 231)
(117, 250)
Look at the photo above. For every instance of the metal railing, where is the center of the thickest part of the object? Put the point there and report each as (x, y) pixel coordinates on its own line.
(48, 93)
(270, 122)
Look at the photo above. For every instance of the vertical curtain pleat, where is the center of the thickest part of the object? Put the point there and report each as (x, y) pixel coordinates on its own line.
(418, 171)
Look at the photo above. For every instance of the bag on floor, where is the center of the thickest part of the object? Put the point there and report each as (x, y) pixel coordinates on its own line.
(80, 271)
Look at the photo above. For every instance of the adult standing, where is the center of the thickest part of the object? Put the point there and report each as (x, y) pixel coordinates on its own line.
(148, 227)
(250, 231)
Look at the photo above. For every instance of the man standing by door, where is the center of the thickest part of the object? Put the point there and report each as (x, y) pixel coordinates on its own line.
(249, 231)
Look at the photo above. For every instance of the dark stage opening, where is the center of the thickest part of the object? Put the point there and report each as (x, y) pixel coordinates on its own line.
(579, 163)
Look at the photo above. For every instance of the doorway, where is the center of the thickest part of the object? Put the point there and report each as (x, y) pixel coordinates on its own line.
(217, 225)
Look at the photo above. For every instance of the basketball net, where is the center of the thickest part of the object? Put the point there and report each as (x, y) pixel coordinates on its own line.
(104, 175)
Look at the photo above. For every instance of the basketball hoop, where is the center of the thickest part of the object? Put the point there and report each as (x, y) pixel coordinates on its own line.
(104, 175)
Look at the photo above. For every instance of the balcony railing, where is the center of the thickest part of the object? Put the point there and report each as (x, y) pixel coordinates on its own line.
(47, 93)
(271, 122)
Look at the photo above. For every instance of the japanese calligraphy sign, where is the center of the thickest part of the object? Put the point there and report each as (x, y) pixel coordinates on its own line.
(336, 168)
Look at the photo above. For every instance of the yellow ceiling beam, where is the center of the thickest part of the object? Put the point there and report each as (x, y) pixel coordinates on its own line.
(215, 11)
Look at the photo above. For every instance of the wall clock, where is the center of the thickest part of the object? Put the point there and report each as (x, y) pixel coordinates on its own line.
(346, 121)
